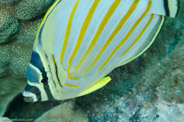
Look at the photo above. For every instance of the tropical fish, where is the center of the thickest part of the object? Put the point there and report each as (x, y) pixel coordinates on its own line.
(80, 41)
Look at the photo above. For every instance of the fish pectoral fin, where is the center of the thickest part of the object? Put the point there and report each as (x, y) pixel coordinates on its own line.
(165, 7)
(99, 84)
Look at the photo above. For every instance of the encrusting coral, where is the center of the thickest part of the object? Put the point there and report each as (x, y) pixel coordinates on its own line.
(8, 25)
(20, 56)
(27, 31)
(4, 61)
(28, 9)
(13, 62)
(8, 2)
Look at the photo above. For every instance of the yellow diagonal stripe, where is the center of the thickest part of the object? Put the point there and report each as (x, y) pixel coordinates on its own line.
(69, 85)
(99, 31)
(127, 36)
(139, 36)
(82, 32)
(119, 26)
(67, 33)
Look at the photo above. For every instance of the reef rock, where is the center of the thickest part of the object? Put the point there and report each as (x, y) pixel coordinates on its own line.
(5, 119)
(169, 112)
(63, 113)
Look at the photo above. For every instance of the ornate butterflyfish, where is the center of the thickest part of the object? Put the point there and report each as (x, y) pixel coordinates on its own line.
(79, 42)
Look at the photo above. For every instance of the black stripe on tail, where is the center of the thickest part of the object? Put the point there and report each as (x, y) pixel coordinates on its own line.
(166, 6)
(178, 8)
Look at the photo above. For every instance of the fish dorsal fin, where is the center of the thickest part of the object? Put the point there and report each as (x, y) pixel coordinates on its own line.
(99, 84)
(165, 7)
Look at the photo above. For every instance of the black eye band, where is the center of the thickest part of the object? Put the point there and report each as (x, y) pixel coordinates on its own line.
(37, 62)
(44, 77)
(46, 86)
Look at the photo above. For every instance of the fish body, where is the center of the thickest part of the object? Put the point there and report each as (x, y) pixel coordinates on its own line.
(80, 41)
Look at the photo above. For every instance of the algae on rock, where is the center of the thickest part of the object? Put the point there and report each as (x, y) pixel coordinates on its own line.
(63, 113)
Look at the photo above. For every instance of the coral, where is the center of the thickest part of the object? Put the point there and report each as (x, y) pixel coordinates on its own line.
(20, 57)
(4, 61)
(7, 2)
(8, 25)
(63, 113)
(16, 41)
(28, 9)
(27, 31)
(16, 55)
(14, 61)
(21, 49)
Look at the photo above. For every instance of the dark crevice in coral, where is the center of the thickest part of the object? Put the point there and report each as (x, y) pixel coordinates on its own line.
(18, 109)
(12, 106)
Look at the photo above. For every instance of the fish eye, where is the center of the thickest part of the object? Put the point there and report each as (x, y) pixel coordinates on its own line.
(45, 78)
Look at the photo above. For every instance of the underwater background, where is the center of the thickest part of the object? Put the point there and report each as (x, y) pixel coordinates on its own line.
(149, 89)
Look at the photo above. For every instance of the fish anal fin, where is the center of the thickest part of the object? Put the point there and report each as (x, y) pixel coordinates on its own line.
(99, 84)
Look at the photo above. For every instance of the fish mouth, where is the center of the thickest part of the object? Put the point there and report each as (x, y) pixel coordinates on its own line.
(29, 97)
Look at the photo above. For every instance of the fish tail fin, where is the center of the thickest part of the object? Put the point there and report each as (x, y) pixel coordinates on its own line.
(166, 7)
